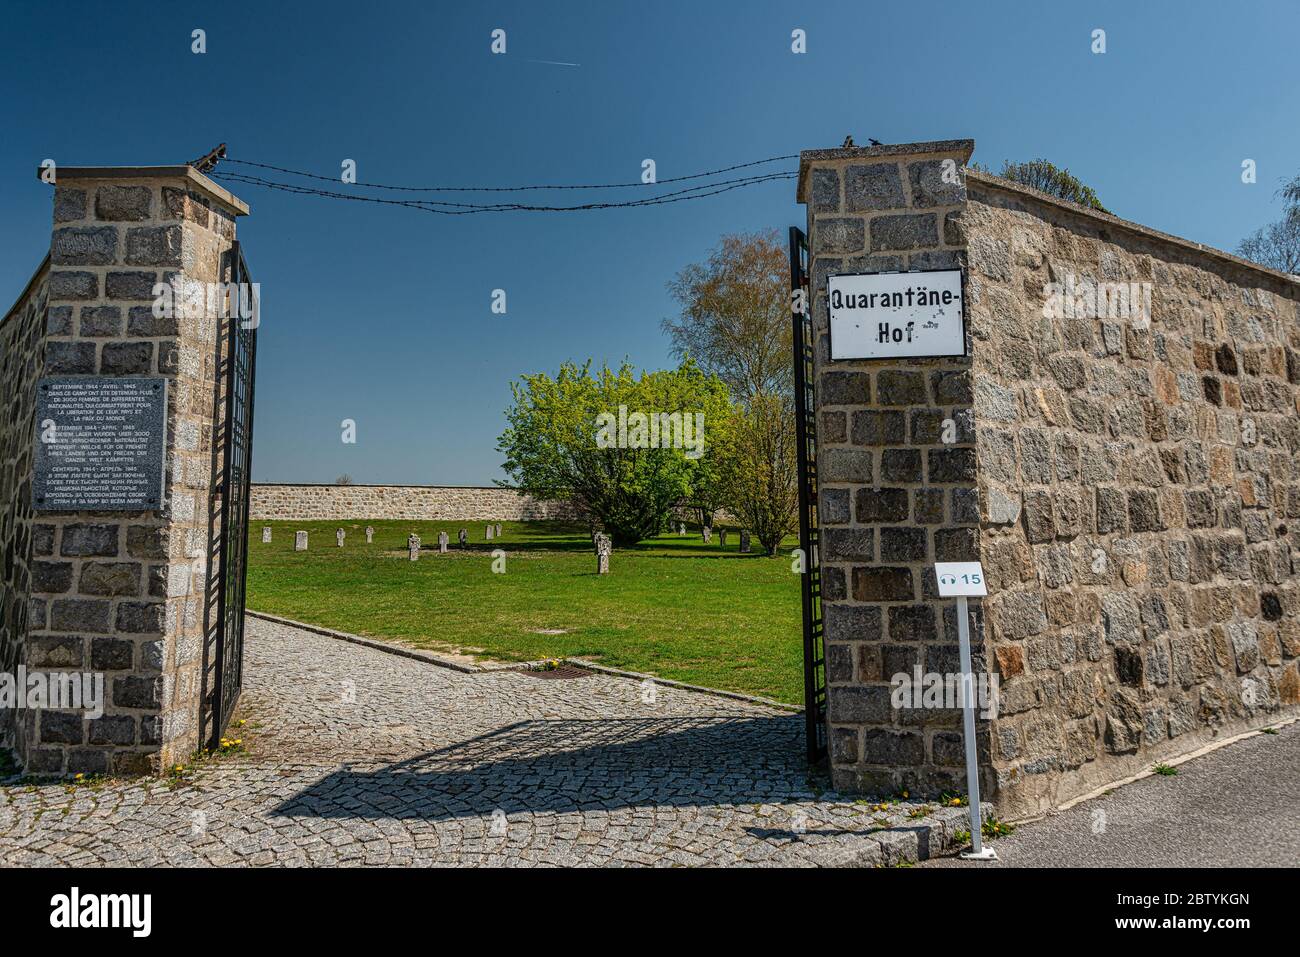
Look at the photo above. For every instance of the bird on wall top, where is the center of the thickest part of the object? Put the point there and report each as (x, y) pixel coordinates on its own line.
(849, 144)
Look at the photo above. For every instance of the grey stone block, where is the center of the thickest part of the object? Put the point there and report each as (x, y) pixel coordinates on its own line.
(80, 614)
(138, 617)
(839, 236)
(905, 544)
(900, 387)
(826, 191)
(129, 285)
(904, 231)
(84, 246)
(132, 691)
(860, 705)
(153, 246)
(901, 465)
(913, 623)
(852, 622)
(951, 465)
(123, 203)
(111, 654)
(849, 544)
(69, 204)
(69, 358)
(844, 388)
(877, 427)
(834, 506)
(127, 358)
(876, 505)
(873, 187)
(62, 727)
(100, 321)
(929, 187)
(142, 322)
(883, 584)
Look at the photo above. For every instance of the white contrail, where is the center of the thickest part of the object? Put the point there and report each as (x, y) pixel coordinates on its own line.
(555, 62)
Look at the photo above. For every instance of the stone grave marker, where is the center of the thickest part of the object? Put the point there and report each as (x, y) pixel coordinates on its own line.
(300, 542)
(744, 540)
(413, 546)
(722, 536)
(487, 533)
(498, 529)
(463, 537)
(604, 545)
(443, 539)
(681, 528)
(370, 535)
(707, 532)
(266, 533)
(339, 536)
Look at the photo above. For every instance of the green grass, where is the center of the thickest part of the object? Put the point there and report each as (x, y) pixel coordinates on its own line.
(672, 606)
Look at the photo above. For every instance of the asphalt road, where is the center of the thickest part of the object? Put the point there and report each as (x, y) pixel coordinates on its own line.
(1238, 806)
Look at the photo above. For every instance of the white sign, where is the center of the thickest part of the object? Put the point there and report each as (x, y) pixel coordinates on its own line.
(885, 315)
(960, 578)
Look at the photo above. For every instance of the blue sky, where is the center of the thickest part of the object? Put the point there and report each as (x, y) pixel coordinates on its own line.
(382, 315)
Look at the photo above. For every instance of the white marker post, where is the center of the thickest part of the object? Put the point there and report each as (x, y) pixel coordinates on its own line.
(960, 580)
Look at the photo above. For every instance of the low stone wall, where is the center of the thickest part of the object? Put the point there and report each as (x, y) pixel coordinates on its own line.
(411, 502)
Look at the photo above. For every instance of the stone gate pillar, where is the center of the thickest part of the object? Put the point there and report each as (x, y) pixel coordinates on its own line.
(121, 594)
(894, 495)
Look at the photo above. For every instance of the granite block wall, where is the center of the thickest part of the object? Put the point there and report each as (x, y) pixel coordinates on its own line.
(1137, 416)
(120, 594)
(1123, 456)
(22, 340)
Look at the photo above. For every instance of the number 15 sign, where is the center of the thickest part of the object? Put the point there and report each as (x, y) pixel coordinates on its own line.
(958, 579)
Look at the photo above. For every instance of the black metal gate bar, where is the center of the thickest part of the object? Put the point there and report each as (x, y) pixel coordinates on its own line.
(224, 632)
(814, 653)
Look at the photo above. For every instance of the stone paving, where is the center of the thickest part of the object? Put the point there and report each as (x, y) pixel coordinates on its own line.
(359, 757)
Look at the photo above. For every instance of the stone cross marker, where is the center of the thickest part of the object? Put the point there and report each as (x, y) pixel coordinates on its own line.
(413, 546)
(707, 532)
(266, 533)
(744, 540)
(722, 536)
(488, 533)
(463, 537)
(370, 534)
(300, 542)
(604, 545)
(443, 539)
(339, 536)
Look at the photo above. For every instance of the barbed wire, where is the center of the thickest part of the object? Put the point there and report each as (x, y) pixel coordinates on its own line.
(449, 208)
(510, 189)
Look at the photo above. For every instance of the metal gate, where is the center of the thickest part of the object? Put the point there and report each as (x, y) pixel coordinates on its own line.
(232, 455)
(814, 651)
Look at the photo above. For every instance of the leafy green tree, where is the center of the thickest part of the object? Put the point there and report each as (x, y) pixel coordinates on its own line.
(735, 321)
(1047, 177)
(625, 449)
(761, 470)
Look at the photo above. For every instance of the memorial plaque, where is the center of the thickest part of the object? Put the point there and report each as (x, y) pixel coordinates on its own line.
(101, 444)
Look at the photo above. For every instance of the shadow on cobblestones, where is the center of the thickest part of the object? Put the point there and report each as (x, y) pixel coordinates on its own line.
(575, 765)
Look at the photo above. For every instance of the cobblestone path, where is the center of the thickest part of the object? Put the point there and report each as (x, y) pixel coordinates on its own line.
(359, 757)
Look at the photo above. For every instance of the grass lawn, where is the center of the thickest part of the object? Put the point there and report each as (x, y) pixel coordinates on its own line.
(671, 606)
